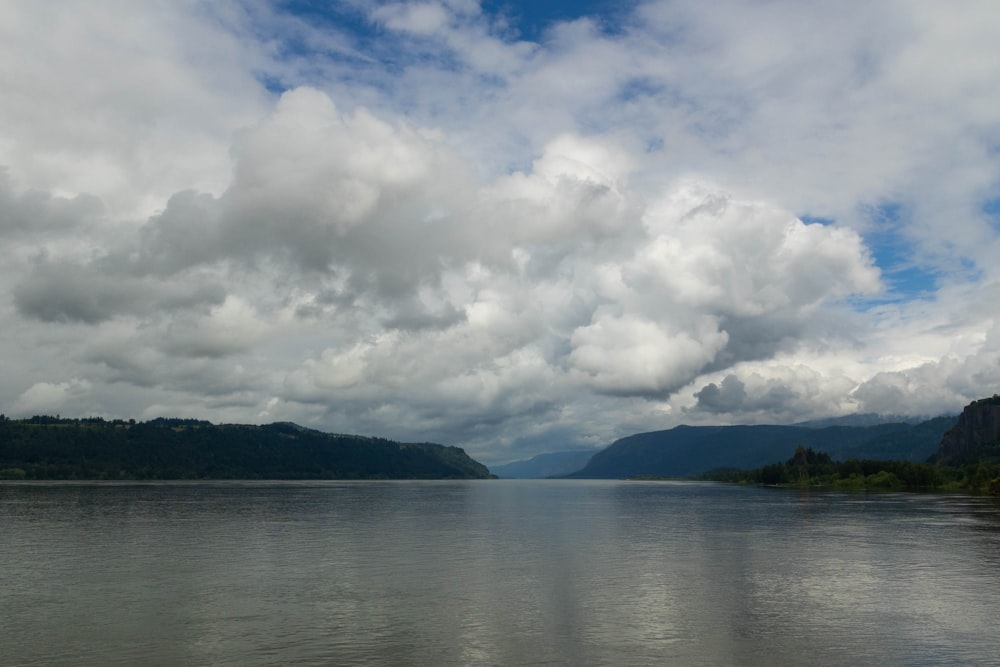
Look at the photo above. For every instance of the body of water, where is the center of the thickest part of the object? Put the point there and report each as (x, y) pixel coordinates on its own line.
(493, 572)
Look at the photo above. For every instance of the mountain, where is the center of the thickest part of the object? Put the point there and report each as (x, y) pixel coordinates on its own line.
(976, 436)
(686, 451)
(552, 464)
(53, 448)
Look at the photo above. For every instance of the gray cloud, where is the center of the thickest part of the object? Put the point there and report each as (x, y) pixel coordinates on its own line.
(38, 213)
(728, 396)
(70, 292)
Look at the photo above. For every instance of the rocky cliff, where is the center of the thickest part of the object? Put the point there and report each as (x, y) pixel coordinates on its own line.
(976, 436)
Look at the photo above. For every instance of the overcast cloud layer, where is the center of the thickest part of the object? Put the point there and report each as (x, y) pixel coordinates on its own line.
(408, 220)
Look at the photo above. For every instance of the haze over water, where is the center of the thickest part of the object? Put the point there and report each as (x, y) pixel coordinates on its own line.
(493, 573)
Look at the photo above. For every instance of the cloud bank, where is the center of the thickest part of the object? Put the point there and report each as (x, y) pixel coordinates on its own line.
(407, 220)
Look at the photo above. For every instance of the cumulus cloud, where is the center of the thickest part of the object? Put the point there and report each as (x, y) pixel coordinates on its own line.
(435, 230)
(727, 396)
(631, 356)
(926, 387)
(124, 103)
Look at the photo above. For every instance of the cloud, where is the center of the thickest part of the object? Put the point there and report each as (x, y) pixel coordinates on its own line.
(412, 223)
(779, 390)
(634, 357)
(92, 293)
(120, 102)
(482, 300)
(424, 18)
(728, 396)
(46, 398)
(928, 387)
(38, 213)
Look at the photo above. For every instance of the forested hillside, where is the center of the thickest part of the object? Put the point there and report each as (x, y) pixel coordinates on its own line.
(687, 451)
(53, 448)
(810, 469)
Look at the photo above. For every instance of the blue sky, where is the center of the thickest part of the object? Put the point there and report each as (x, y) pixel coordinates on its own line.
(510, 226)
(531, 20)
(521, 20)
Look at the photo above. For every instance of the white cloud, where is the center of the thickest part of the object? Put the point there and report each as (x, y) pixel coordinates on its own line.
(70, 398)
(440, 232)
(425, 18)
(124, 102)
(631, 356)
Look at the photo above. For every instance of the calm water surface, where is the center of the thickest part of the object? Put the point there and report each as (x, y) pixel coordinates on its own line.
(493, 573)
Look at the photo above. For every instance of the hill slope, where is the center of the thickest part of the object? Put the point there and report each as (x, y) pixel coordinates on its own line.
(686, 451)
(51, 448)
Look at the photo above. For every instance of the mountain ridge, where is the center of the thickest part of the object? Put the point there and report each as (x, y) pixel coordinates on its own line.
(166, 448)
(688, 451)
(547, 464)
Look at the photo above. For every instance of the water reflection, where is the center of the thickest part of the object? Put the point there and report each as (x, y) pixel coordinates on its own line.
(493, 572)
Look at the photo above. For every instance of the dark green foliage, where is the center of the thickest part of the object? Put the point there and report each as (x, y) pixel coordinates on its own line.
(807, 469)
(55, 448)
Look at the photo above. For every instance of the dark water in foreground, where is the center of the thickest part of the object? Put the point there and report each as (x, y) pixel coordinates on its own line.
(493, 573)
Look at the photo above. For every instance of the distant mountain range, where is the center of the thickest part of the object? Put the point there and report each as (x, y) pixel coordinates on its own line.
(688, 451)
(552, 464)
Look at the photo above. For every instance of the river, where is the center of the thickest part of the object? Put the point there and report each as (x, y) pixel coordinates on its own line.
(493, 572)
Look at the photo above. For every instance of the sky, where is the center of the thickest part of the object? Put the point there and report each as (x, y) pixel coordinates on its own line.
(513, 227)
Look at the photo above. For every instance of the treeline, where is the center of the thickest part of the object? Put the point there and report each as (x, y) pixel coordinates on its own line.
(49, 420)
(95, 449)
(808, 468)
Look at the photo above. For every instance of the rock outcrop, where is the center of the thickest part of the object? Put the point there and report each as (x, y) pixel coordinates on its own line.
(976, 435)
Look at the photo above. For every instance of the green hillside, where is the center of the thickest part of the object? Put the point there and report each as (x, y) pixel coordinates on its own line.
(53, 448)
(688, 451)
(810, 469)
